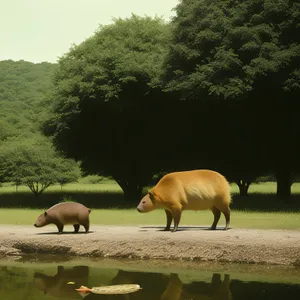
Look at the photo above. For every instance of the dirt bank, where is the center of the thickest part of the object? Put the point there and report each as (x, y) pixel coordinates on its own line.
(281, 247)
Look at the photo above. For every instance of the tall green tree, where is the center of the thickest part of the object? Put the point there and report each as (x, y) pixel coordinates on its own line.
(247, 52)
(105, 91)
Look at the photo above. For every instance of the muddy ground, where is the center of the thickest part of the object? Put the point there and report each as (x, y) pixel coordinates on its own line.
(278, 247)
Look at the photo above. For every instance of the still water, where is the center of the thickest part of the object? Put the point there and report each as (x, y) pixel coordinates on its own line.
(49, 278)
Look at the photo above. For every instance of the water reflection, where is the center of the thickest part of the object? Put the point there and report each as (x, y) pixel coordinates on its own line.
(46, 282)
(170, 287)
(57, 285)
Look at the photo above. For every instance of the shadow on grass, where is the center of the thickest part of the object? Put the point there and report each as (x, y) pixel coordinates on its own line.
(266, 203)
(115, 200)
(47, 199)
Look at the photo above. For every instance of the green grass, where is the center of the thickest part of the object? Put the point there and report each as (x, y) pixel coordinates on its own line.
(112, 186)
(265, 188)
(107, 194)
(105, 186)
(239, 219)
(261, 209)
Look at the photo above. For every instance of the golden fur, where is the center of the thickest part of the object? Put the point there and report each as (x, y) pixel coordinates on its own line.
(189, 190)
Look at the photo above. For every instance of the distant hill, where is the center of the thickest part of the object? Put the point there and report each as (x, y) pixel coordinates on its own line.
(23, 96)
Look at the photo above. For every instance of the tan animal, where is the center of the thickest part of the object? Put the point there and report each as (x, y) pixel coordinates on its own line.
(189, 190)
(65, 213)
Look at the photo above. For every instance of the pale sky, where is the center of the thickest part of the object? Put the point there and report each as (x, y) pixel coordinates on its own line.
(43, 30)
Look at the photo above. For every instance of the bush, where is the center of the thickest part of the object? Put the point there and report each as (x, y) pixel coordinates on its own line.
(67, 199)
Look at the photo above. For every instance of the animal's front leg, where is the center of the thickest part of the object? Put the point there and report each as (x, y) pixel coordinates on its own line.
(60, 227)
(169, 220)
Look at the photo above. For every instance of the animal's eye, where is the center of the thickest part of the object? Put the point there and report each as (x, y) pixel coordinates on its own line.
(144, 202)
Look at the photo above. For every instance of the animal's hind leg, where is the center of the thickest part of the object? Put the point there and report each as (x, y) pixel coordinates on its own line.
(226, 213)
(76, 227)
(169, 219)
(176, 213)
(86, 227)
(217, 214)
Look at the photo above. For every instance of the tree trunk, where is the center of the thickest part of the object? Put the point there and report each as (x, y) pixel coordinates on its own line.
(33, 188)
(243, 186)
(132, 190)
(284, 182)
(133, 194)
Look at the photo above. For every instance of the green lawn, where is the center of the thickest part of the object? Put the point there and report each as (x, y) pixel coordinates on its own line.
(239, 219)
(106, 186)
(260, 210)
(112, 186)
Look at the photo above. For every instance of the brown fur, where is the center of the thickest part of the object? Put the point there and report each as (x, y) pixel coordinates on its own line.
(65, 213)
(189, 190)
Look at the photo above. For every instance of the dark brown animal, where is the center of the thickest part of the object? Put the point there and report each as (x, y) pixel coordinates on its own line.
(189, 190)
(65, 213)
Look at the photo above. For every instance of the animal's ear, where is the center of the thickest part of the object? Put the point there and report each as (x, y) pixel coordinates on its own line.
(151, 195)
(45, 214)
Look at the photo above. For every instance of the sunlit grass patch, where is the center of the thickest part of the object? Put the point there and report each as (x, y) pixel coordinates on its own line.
(130, 217)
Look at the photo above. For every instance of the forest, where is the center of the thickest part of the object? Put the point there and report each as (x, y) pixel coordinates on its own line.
(217, 88)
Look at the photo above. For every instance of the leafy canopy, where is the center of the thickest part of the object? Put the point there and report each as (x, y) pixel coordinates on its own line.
(127, 52)
(34, 163)
(224, 48)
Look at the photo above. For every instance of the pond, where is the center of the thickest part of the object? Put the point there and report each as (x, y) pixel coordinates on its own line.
(51, 277)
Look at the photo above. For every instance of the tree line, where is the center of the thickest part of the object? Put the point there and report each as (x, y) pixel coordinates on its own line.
(217, 87)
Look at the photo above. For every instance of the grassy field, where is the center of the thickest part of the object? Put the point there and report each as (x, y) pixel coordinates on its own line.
(239, 219)
(106, 186)
(261, 209)
(112, 186)
(107, 194)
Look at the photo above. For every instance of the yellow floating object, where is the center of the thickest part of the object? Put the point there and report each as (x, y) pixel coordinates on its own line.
(71, 282)
(111, 289)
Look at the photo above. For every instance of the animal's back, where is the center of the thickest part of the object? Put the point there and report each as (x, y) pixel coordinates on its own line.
(69, 212)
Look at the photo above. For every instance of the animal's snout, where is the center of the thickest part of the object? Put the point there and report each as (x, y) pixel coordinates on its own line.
(138, 209)
(34, 225)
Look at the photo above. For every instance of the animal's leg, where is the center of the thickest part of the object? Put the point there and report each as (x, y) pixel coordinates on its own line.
(226, 213)
(169, 219)
(176, 213)
(76, 228)
(217, 215)
(86, 227)
(60, 227)
(216, 281)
